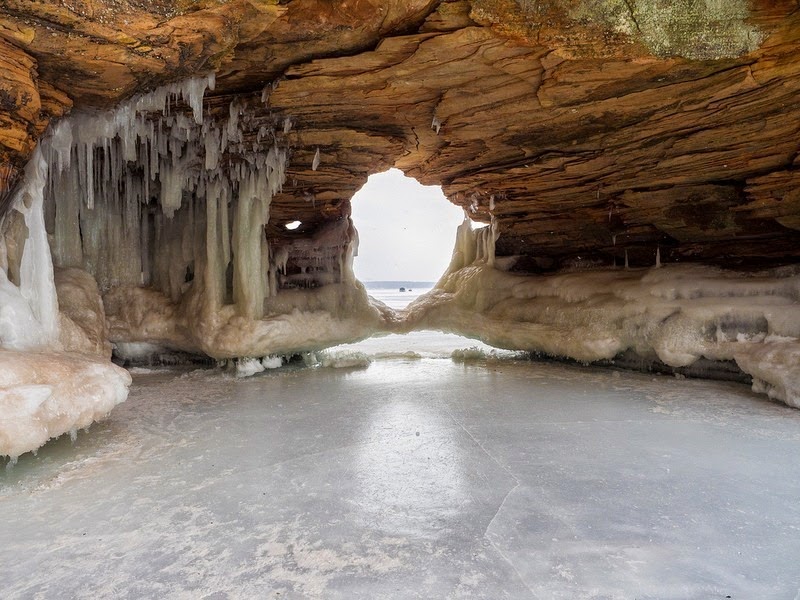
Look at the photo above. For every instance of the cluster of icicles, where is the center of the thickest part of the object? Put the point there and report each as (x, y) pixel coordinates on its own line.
(146, 194)
(165, 211)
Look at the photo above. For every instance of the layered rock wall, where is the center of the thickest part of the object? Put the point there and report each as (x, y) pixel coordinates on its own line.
(584, 129)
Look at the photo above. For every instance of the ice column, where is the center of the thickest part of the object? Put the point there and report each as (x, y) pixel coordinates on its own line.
(141, 195)
(36, 281)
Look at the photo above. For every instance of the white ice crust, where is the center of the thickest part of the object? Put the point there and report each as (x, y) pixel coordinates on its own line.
(46, 394)
(676, 313)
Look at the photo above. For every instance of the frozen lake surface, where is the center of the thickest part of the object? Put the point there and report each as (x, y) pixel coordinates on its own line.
(421, 478)
(419, 344)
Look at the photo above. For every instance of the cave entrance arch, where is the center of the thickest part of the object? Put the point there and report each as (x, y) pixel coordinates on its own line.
(406, 236)
(406, 231)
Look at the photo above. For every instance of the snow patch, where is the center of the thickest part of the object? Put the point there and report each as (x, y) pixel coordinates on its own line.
(248, 366)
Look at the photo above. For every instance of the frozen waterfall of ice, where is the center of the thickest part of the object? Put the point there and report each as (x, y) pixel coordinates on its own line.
(174, 231)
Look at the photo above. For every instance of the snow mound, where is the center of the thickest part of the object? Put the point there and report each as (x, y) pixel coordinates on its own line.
(247, 367)
(46, 394)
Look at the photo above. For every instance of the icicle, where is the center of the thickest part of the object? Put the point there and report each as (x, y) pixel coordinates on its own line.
(89, 179)
(192, 92)
(492, 234)
(37, 285)
(287, 125)
(144, 248)
(233, 122)
(436, 124)
(626, 259)
(61, 141)
(315, 162)
(658, 257)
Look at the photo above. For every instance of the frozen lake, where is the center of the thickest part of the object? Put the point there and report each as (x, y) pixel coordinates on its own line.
(421, 344)
(421, 478)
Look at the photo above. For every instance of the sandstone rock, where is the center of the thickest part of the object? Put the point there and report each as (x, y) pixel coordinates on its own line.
(586, 130)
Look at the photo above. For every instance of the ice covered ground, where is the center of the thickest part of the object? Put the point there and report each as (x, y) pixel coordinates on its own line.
(413, 479)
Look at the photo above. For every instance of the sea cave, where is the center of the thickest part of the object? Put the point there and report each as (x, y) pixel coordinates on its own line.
(180, 319)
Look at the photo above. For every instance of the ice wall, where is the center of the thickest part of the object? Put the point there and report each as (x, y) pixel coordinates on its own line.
(55, 376)
(168, 207)
(676, 313)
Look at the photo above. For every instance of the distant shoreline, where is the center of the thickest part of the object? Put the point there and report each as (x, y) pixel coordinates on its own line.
(373, 285)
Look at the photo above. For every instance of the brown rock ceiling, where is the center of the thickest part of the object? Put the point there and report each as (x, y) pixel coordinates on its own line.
(586, 128)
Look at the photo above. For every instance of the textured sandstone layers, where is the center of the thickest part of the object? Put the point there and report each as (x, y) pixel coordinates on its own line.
(586, 129)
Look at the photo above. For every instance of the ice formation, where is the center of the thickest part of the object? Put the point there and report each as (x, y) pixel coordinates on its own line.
(55, 375)
(675, 313)
(163, 210)
(339, 359)
(173, 228)
(46, 394)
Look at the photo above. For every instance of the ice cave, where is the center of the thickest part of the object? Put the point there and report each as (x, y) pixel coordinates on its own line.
(199, 397)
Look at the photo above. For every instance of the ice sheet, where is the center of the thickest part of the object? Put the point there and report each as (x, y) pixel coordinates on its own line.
(506, 480)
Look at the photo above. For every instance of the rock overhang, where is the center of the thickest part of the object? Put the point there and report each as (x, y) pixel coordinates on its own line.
(584, 129)
(587, 133)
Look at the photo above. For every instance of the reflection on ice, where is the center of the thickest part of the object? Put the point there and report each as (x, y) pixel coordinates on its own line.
(412, 482)
(526, 480)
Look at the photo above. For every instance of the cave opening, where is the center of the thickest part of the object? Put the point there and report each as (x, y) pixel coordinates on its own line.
(406, 232)
(403, 231)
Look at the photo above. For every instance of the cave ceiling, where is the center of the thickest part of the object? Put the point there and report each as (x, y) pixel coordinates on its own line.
(586, 129)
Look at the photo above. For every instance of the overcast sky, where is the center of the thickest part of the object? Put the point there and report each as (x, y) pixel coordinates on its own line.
(406, 230)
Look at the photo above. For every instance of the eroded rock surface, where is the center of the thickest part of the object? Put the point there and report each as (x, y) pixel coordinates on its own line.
(588, 133)
(587, 130)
